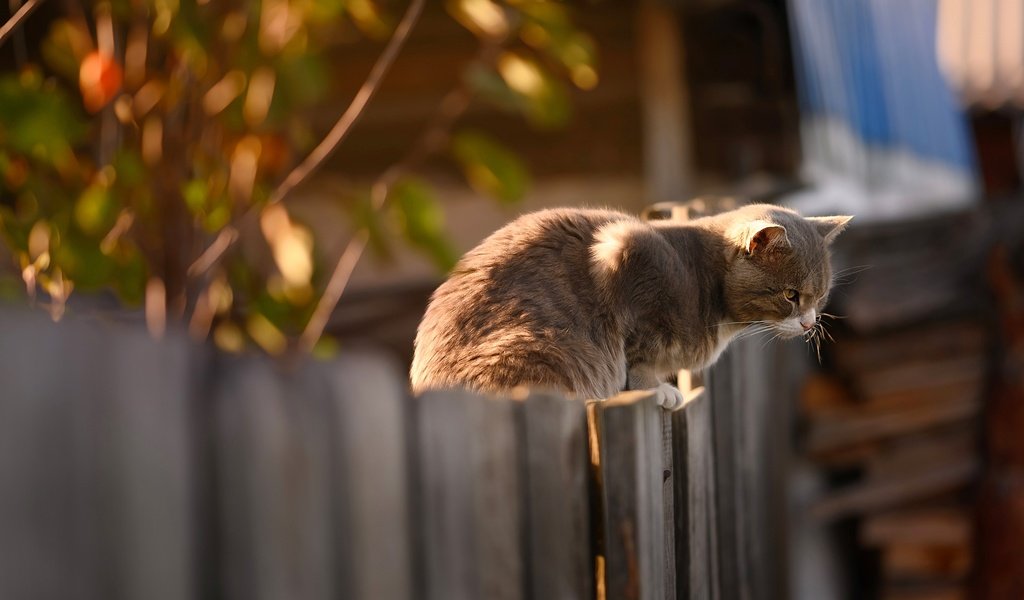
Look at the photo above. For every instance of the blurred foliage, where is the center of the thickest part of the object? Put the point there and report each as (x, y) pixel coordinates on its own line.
(144, 128)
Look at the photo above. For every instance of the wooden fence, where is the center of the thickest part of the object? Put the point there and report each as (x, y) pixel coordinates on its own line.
(136, 469)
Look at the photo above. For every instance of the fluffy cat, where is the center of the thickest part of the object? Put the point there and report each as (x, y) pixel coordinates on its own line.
(592, 302)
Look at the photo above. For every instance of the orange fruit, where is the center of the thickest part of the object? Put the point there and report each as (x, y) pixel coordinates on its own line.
(99, 79)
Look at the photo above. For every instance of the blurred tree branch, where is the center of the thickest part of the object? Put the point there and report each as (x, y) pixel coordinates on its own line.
(20, 15)
(337, 133)
(433, 138)
(334, 137)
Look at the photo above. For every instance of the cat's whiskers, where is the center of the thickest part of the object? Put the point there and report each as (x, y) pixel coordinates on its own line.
(753, 333)
(736, 323)
(813, 339)
(751, 329)
(757, 327)
(849, 274)
(822, 331)
(825, 331)
(777, 335)
(764, 335)
(853, 270)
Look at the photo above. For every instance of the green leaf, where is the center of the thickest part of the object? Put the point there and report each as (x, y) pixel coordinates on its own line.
(422, 222)
(490, 168)
(326, 10)
(487, 84)
(64, 46)
(546, 101)
(548, 28)
(84, 263)
(39, 122)
(217, 218)
(302, 79)
(95, 210)
(131, 278)
(369, 18)
(11, 288)
(129, 168)
(484, 18)
(194, 193)
(364, 216)
(325, 348)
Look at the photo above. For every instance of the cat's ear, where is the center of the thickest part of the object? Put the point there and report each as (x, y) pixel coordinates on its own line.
(761, 237)
(829, 227)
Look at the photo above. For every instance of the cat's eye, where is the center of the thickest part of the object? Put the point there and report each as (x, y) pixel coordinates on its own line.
(792, 295)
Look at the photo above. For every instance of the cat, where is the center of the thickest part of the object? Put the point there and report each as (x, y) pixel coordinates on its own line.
(592, 302)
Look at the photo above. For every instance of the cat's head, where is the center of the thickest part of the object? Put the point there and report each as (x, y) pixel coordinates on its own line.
(779, 272)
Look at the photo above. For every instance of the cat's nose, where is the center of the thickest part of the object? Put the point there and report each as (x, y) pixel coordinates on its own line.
(807, 320)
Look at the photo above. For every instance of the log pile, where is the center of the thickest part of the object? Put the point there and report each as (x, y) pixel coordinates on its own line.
(901, 412)
(895, 417)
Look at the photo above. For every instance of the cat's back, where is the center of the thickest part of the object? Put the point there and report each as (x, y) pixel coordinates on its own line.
(540, 232)
(548, 245)
(522, 288)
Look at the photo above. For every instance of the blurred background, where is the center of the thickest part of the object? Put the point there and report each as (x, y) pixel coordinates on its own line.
(293, 176)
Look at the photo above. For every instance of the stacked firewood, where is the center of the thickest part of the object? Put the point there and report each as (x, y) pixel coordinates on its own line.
(898, 415)
(894, 416)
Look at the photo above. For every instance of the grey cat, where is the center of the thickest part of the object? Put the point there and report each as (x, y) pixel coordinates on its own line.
(593, 302)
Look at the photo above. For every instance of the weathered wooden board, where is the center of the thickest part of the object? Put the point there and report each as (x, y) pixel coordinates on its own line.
(94, 462)
(926, 591)
(50, 547)
(830, 435)
(695, 502)
(750, 390)
(636, 489)
(753, 390)
(150, 389)
(559, 558)
(939, 476)
(928, 343)
(274, 468)
(939, 526)
(372, 498)
(469, 482)
(728, 451)
(928, 562)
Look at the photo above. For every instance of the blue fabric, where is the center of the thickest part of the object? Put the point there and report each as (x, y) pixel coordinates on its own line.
(872, 64)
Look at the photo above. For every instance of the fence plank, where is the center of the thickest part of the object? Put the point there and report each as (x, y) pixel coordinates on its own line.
(49, 547)
(274, 471)
(149, 390)
(730, 519)
(636, 496)
(766, 384)
(696, 533)
(372, 496)
(558, 514)
(93, 462)
(749, 390)
(469, 481)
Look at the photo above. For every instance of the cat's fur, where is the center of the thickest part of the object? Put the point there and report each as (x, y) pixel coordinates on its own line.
(592, 302)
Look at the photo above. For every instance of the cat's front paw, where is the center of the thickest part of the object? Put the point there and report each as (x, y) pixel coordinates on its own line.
(668, 396)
